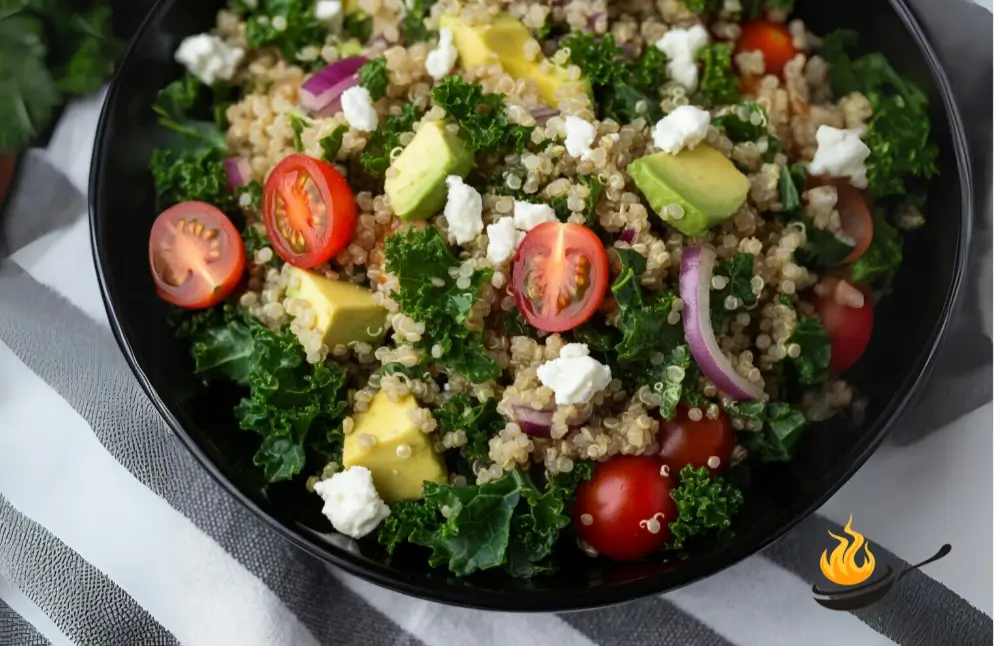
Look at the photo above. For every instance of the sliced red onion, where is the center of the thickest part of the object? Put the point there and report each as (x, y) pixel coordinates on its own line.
(321, 94)
(238, 170)
(537, 423)
(696, 267)
(627, 236)
(543, 113)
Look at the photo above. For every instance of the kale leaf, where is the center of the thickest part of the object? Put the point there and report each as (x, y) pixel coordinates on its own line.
(560, 204)
(287, 25)
(479, 421)
(412, 25)
(374, 77)
(296, 407)
(481, 115)
(738, 272)
(899, 132)
(224, 351)
(428, 294)
(879, 264)
(331, 144)
(409, 521)
(704, 505)
(811, 367)
(719, 82)
(782, 430)
(642, 318)
(748, 121)
(358, 25)
(822, 249)
(376, 156)
(297, 125)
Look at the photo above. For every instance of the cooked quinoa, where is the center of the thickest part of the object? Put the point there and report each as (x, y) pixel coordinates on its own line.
(782, 231)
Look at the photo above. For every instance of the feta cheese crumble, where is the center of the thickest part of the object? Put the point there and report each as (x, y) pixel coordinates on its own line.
(357, 105)
(503, 240)
(580, 136)
(327, 10)
(840, 153)
(440, 60)
(685, 127)
(527, 216)
(351, 502)
(681, 47)
(463, 210)
(575, 377)
(209, 58)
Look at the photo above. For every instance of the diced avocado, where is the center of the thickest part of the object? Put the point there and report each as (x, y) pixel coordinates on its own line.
(417, 187)
(702, 181)
(503, 40)
(397, 473)
(343, 312)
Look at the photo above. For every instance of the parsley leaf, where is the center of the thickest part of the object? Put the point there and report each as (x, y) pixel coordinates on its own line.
(738, 271)
(481, 115)
(879, 264)
(704, 505)
(95, 54)
(428, 294)
(782, 430)
(376, 156)
(811, 367)
(719, 82)
(331, 144)
(374, 77)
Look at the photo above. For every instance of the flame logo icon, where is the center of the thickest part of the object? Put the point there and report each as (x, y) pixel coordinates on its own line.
(841, 567)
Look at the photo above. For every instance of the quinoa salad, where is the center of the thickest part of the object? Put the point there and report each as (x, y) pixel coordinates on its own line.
(573, 267)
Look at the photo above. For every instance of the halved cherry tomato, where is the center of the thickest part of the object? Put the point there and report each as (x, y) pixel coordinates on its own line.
(309, 210)
(560, 276)
(196, 255)
(706, 443)
(849, 328)
(625, 510)
(770, 38)
(854, 210)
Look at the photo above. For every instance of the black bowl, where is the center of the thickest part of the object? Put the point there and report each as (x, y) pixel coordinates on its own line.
(909, 326)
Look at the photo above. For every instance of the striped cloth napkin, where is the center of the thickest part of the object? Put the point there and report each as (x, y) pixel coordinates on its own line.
(111, 534)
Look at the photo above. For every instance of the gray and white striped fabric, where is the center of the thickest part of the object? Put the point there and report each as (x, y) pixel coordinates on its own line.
(110, 534)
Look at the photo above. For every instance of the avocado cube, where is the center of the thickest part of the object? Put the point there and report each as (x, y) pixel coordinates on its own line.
(416, 188)
(402, 457)
(703, 182)
(343, 312)
(503, 40)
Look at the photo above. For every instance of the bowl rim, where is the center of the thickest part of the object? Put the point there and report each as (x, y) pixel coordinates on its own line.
(609, 594)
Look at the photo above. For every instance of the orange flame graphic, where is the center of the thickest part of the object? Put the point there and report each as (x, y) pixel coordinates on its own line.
(841, 568)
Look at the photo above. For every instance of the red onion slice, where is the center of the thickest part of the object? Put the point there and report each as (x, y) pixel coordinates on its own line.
(238, 171)
(627, 235)
(321, 93)
(696, 267)
(543, 113)
(537, 423)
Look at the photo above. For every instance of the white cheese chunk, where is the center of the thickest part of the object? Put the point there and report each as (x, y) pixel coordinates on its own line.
(527, 216)
(685, 127)
(463, 210)
(351, 502)
(575, 377)
(681, 47)
(209, 58)
(840, 153)
(357, 105)
(580, 136)
(503, 240)
(327, 10)
(442, 59)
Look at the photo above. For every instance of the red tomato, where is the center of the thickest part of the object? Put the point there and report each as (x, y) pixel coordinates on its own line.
(309, 210)
(849, 329)
(560, 276)
(706, 443)
(625, 510)
(196, 255)
(770, 38)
